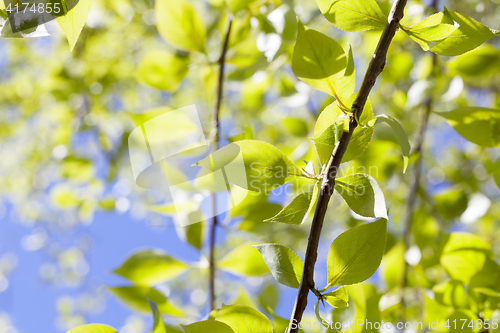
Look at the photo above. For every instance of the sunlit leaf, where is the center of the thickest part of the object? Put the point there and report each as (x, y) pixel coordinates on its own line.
(208, 326)
(244, 260)
(283, 263)
(356, 254)
(253, 165)
(469, 35)
(162, 70)
(180, 24)
(362, 194)
(244, 319)
(478, 125)
(73, 21)
(318, 60)
(137, 297)
(93, 328)
(339, 298)
(401, 136)
(296, 211)
(151, 267)
(353, 15)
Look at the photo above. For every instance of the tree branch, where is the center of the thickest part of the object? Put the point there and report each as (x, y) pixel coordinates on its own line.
(327, 187)
(215, 138)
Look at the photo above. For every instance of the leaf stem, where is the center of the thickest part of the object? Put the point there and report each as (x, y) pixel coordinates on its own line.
(375, 67)
(215, 138)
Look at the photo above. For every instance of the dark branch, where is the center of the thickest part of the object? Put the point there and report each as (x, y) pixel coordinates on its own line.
(374, 69)
(215, 139)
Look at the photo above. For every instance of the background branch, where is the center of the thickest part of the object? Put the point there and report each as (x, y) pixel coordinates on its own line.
(327, 187)
(215, 138)
(415, 186)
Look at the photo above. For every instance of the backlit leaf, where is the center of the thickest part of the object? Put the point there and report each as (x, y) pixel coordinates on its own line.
(244, 319)
(283, 263)
(353, 15)
(356, 254)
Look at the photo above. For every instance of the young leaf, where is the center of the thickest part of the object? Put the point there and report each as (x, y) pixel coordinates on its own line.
(348, 82)
(356, 254)
(264, 165)
(464, 255)
(137, 297)
(296, 211)
(73, 21)
(179, 23)
(484, 61)
(429, 36)
(361, 136)
(478, 125)
(353, 15)
(283, 263)
(150, 267)
(469, 35)
(318, 315)
(244, 260)
(362, 194)
(93, 328)
(451, 293)
(398, 130)
(207, 326)
(339, 298)
(158, 324)
(244, 319)
(318, 60)
(163, 70)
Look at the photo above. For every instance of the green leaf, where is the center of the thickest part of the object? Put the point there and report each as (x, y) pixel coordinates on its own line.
(137, 297)
(296, 211)
(295, 126)
(360, 138)
(264, 165)
(353, 15)
(431, 31)
(478, 125)
(237, 5)
(283, 263)
(339, 298)
(92, 328)
(207, 326)
(318, 60)
(451, 293)
(158, 324)
(469, 35)
(451, 204)
(73, 21)
(464, 255)
(163, 70)
(151, 267)
(484, 61)
(244, 260)
(244, 319)
(356, 254)
(269, 297)
(348, 82)
(179, 23)
(391, 265)
(318, 315)
(401, 136)
(362, 194)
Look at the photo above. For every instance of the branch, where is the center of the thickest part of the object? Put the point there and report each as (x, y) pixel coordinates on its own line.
(215, 138)
(415, 186)
(327, 187)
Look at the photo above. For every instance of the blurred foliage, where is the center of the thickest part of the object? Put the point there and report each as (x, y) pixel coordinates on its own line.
(66, 117)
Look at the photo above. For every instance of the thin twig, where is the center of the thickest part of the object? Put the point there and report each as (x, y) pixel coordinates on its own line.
(327, 187)
(215, 138)
(415, 186)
